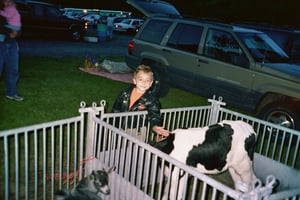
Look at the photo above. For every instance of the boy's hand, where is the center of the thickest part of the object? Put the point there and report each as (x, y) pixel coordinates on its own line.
(161, 132)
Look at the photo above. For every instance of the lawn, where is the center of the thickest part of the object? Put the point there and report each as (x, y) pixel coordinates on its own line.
(54, 87)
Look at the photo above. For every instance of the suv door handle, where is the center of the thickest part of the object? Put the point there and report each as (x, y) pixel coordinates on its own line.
(166, 50)
(202, 61)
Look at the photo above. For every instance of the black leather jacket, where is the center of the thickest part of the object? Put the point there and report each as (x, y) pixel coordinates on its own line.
(146, 102)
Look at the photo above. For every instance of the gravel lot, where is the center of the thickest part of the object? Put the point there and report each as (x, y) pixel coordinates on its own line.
(60, 48)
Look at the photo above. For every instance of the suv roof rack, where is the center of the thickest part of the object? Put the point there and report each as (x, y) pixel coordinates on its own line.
(215, 21)
(212, 21)
(165, 15)
(265, 25)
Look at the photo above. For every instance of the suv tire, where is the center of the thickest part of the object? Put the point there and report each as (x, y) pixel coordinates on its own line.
(276, 113)
(75, 34)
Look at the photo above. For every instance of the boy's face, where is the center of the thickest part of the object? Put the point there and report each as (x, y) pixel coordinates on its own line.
(142, 81)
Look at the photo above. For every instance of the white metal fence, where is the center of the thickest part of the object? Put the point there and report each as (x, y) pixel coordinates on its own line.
(36, 161)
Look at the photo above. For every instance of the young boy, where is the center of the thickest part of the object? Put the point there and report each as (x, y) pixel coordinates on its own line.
(138, 97)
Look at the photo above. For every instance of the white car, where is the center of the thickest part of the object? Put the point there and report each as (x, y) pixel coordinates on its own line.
(128, 25)
(91, 18)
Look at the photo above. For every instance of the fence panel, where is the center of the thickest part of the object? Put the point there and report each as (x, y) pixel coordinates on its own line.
(35, 161)
(277, 147)
(141, 166)
(276, 142)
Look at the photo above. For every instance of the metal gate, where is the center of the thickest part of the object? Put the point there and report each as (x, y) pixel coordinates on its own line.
(38, 160)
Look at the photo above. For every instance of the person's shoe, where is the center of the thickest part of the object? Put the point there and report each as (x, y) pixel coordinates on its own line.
(15, 97)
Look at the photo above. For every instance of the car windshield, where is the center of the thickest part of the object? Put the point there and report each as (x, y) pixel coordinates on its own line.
(262, 47)
(126, 21)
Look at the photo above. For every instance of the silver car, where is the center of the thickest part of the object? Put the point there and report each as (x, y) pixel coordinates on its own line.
(130, 26)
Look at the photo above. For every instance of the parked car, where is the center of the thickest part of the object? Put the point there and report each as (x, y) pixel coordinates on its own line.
(74, 15)
(40, 18)
(119, 19)
(287, 38)
(91, 18)
(130, 26)
(244, 66)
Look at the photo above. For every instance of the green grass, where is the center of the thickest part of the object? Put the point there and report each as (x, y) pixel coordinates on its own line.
(54, 87)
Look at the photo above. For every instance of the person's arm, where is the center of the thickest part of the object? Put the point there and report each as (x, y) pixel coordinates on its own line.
(153, 108)
(3, 30)
(117, 106)
(8, 33)
(154, 117)
(122, 101)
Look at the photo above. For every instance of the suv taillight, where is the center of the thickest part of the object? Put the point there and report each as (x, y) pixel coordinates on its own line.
(130, 47)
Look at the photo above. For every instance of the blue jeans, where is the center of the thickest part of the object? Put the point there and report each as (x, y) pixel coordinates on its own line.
(9, 60)
(110, 32)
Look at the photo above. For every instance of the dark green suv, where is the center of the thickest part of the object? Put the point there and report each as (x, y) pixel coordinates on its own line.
(244, 66)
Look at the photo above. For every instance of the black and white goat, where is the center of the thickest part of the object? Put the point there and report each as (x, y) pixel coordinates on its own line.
(228, 145)
(89, 187)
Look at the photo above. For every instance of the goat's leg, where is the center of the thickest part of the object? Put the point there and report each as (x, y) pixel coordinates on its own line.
(243, 176)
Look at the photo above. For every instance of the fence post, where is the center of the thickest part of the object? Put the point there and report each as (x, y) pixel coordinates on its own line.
(215, 109)
(89, 125)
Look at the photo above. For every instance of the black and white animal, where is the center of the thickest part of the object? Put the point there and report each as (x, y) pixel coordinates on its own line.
(89, 187)
(228, 145)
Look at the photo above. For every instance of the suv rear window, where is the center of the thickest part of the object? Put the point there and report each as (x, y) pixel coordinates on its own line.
(186, 37)
(154, 31)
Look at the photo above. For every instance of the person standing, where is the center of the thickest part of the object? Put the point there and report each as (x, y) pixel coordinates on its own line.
(9, 48)
(11, 14)
(110, 26)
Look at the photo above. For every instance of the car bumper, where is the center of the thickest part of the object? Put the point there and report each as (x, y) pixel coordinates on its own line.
(132, 61)
(120, 30)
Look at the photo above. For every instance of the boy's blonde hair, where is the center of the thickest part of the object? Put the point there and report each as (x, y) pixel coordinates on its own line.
(144, 68)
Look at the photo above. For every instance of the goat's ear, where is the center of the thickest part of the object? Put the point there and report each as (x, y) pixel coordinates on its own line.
(92, 176)
(111, 169)
(94, 173)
